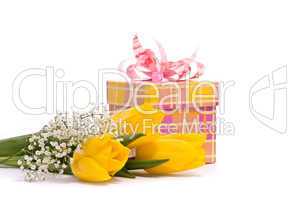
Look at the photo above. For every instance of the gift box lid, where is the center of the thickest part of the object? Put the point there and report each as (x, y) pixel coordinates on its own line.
(190, 92)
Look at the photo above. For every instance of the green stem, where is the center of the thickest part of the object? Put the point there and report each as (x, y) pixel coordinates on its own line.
(10, 161)
(124, 173)
(144, 164)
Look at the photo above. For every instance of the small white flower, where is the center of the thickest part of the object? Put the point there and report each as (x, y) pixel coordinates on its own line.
(44, 135)
(52, 161)
(58, 148)
(58, 155)
(57, 166)
(33, 167)
(63, 145)
(46, 160)
(20, 162)
(43, 167)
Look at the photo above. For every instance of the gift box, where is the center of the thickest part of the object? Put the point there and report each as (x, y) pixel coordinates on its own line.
(187, 106)
(167, 94)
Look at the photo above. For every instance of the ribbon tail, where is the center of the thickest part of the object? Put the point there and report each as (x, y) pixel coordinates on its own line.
(194, 54)
(163, 56)
(137, 46)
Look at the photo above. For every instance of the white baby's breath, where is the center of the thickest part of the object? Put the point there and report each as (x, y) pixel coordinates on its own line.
(50, 150)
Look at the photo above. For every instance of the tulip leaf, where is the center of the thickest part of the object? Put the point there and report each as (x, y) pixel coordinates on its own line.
(144, 164)
(127, 139)
(13, 146)
(124, 173)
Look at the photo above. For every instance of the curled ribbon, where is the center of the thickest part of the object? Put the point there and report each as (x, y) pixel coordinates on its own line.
(149, 68)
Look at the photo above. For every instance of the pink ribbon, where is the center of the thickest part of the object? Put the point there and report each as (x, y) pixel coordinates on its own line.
(149, 68)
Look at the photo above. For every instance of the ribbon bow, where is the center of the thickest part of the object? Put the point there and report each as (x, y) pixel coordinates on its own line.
(149, 68)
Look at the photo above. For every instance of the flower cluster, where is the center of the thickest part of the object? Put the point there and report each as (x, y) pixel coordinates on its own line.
(51, 149)
(91, 147)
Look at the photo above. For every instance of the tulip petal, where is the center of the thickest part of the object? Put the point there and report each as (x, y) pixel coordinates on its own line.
(197, 162)
(143, 141)
(101, 159)
(134, 118)
(197, 139)
(118, 157)
(178, 152)
(87, 169)
(115, 166)
(78, 155)
(184, 151)
(92, 145)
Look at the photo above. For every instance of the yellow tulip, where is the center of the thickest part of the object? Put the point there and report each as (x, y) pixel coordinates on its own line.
(184, 151)
(139, 119)
(99, 158)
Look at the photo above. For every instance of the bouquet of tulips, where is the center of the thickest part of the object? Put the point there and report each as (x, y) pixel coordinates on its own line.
(92, 148)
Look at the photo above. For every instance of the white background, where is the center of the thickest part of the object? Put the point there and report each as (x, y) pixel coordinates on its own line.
(238, 40)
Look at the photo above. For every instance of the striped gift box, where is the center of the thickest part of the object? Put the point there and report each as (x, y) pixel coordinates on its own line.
(189, 106)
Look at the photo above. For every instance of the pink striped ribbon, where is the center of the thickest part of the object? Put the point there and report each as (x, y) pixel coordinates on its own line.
(149, 68)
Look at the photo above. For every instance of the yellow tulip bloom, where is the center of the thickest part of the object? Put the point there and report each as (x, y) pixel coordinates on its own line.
(99, 158)
(184, 151)
(139, 119)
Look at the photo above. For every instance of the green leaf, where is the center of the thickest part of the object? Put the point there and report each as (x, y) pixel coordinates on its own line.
(143, 164)
(68, 171)
(10, 161)
(13, 146)
(127, 139)
(124, 173)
